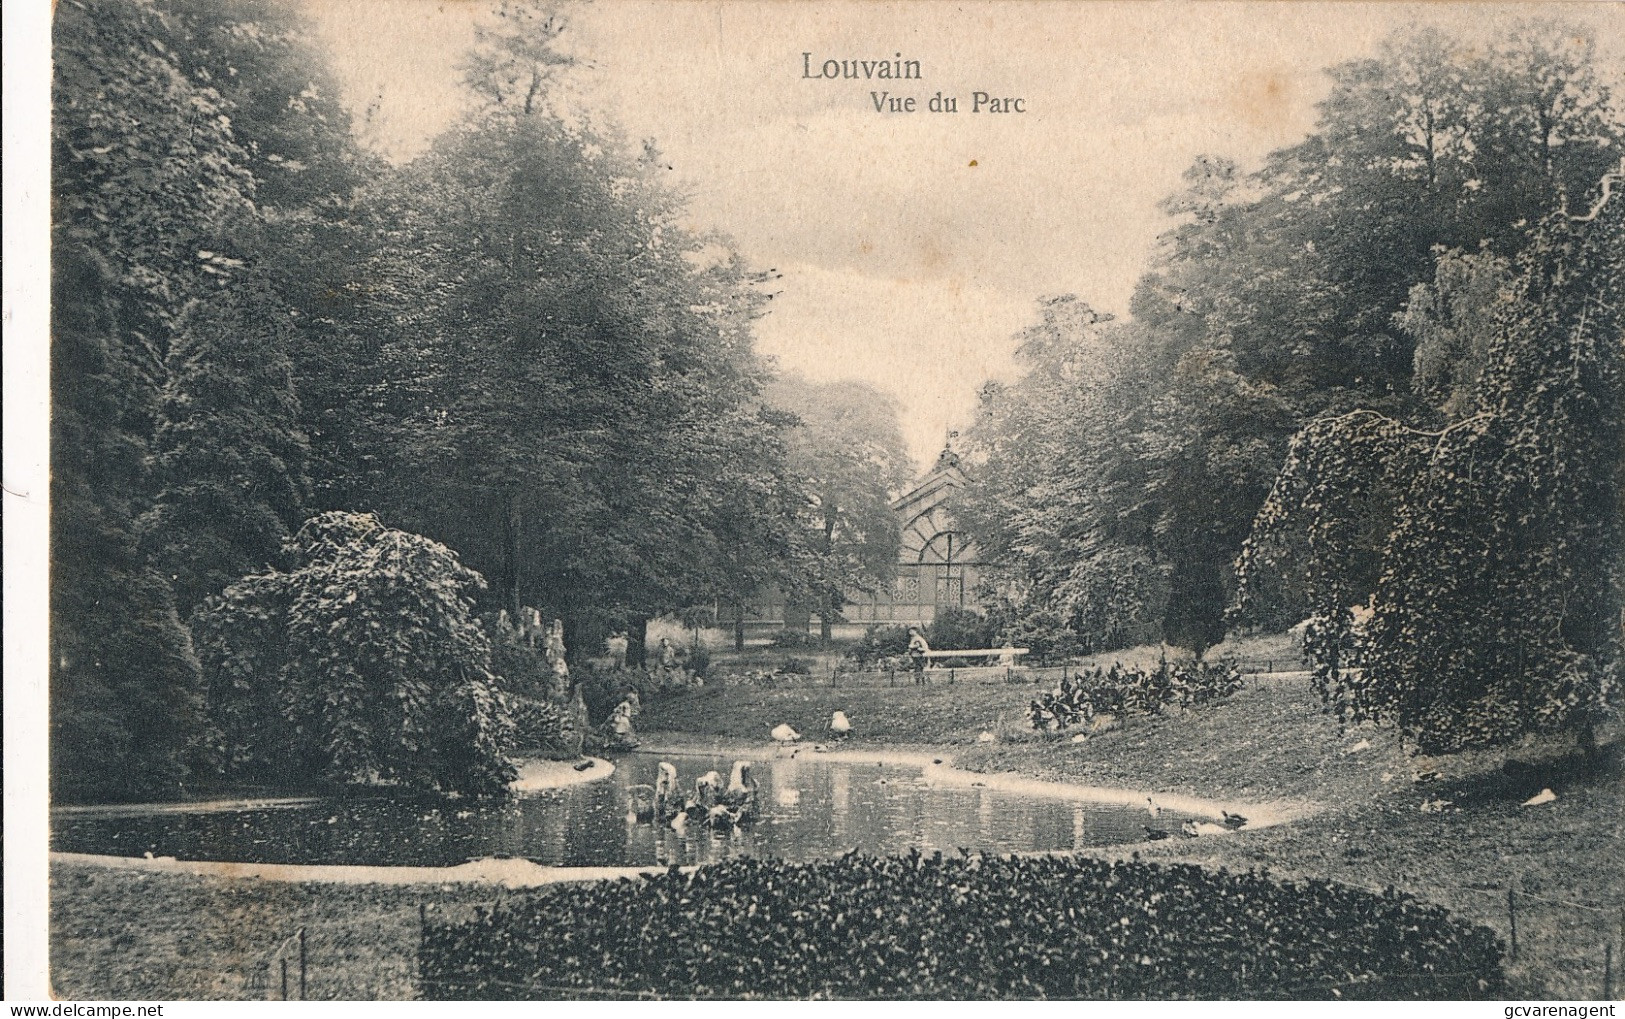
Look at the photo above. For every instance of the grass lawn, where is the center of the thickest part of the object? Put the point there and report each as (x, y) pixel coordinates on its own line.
(118, 935)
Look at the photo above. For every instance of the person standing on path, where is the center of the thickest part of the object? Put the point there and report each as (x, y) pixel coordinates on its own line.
(917, 648)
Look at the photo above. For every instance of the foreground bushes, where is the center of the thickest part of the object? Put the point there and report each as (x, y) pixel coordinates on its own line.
(1118, 691)
(961, 927)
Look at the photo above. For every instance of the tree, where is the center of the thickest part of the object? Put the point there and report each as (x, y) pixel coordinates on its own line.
(361, 662)
(847, 454)
(146, 175)
(1283, 296)
(1058, 493)
(228, 459)
(571, 395)
(1497, 608)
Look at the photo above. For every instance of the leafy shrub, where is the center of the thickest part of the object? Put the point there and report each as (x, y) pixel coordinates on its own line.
(602, 689)
(699, 660)
(960, 628)
(361, 663)
(523, 669)
(879, 641)
(543, 727)
(1122, 691)
(1043, 633)
(796, 667)
(961, 927)
(793, 640)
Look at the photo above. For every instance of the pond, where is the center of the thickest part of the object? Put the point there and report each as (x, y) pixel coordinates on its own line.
(811, 808)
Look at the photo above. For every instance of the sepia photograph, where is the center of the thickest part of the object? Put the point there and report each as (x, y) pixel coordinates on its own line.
(804, 500)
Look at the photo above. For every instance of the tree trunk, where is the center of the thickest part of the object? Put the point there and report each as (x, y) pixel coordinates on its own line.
(637, 642)
(511, 526)
(739, 626)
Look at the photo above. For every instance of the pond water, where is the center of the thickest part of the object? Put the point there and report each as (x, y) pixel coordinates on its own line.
(809, 809)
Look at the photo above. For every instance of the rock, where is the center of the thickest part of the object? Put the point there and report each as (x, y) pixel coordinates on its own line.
(986, 737)
(1364, 744)
(1544, 796)
(784, 734)
(1081, 737)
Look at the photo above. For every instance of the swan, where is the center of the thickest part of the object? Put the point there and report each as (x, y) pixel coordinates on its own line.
(839, 724)
(741, 792)
(784, 734)
(667, 800)
(708, 789)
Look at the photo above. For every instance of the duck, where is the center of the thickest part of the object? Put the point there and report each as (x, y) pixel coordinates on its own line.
(784, 734)
(721, 818)
(1156, 834)
(1152, 808)
(839, 724)
(1232, 821)
(641, 801)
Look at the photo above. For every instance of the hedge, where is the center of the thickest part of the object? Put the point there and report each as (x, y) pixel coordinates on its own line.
(962, 927)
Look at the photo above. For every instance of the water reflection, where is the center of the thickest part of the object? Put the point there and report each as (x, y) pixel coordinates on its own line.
(811, 809)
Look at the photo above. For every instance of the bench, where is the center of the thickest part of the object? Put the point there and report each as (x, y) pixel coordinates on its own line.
(1012, 653)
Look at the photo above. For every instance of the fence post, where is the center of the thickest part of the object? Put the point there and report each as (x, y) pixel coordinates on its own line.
(1007, 675)
(1512, 919)
(284, 962)
(301, 964)
(891, 677)
(951, 674)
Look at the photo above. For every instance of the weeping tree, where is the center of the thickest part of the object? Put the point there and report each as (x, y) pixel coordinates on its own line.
(362, 662)
(1490, 606)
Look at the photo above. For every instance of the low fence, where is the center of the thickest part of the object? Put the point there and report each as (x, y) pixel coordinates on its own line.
(947, 675)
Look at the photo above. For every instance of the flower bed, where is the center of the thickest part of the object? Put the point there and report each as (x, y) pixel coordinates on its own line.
(1118, 691)
(965, 926)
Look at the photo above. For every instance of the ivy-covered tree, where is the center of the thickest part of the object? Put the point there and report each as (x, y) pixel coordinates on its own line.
(1497, 602)
(360, 662)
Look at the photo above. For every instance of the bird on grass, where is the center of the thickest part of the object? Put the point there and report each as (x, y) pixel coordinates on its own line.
(1232, 821)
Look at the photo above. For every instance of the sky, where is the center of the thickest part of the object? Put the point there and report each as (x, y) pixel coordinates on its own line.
(912, 246)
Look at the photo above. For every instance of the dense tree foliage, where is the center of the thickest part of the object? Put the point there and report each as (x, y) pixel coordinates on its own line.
(147, 176)
(509, 345)
(846, 453)
(1118, 487)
